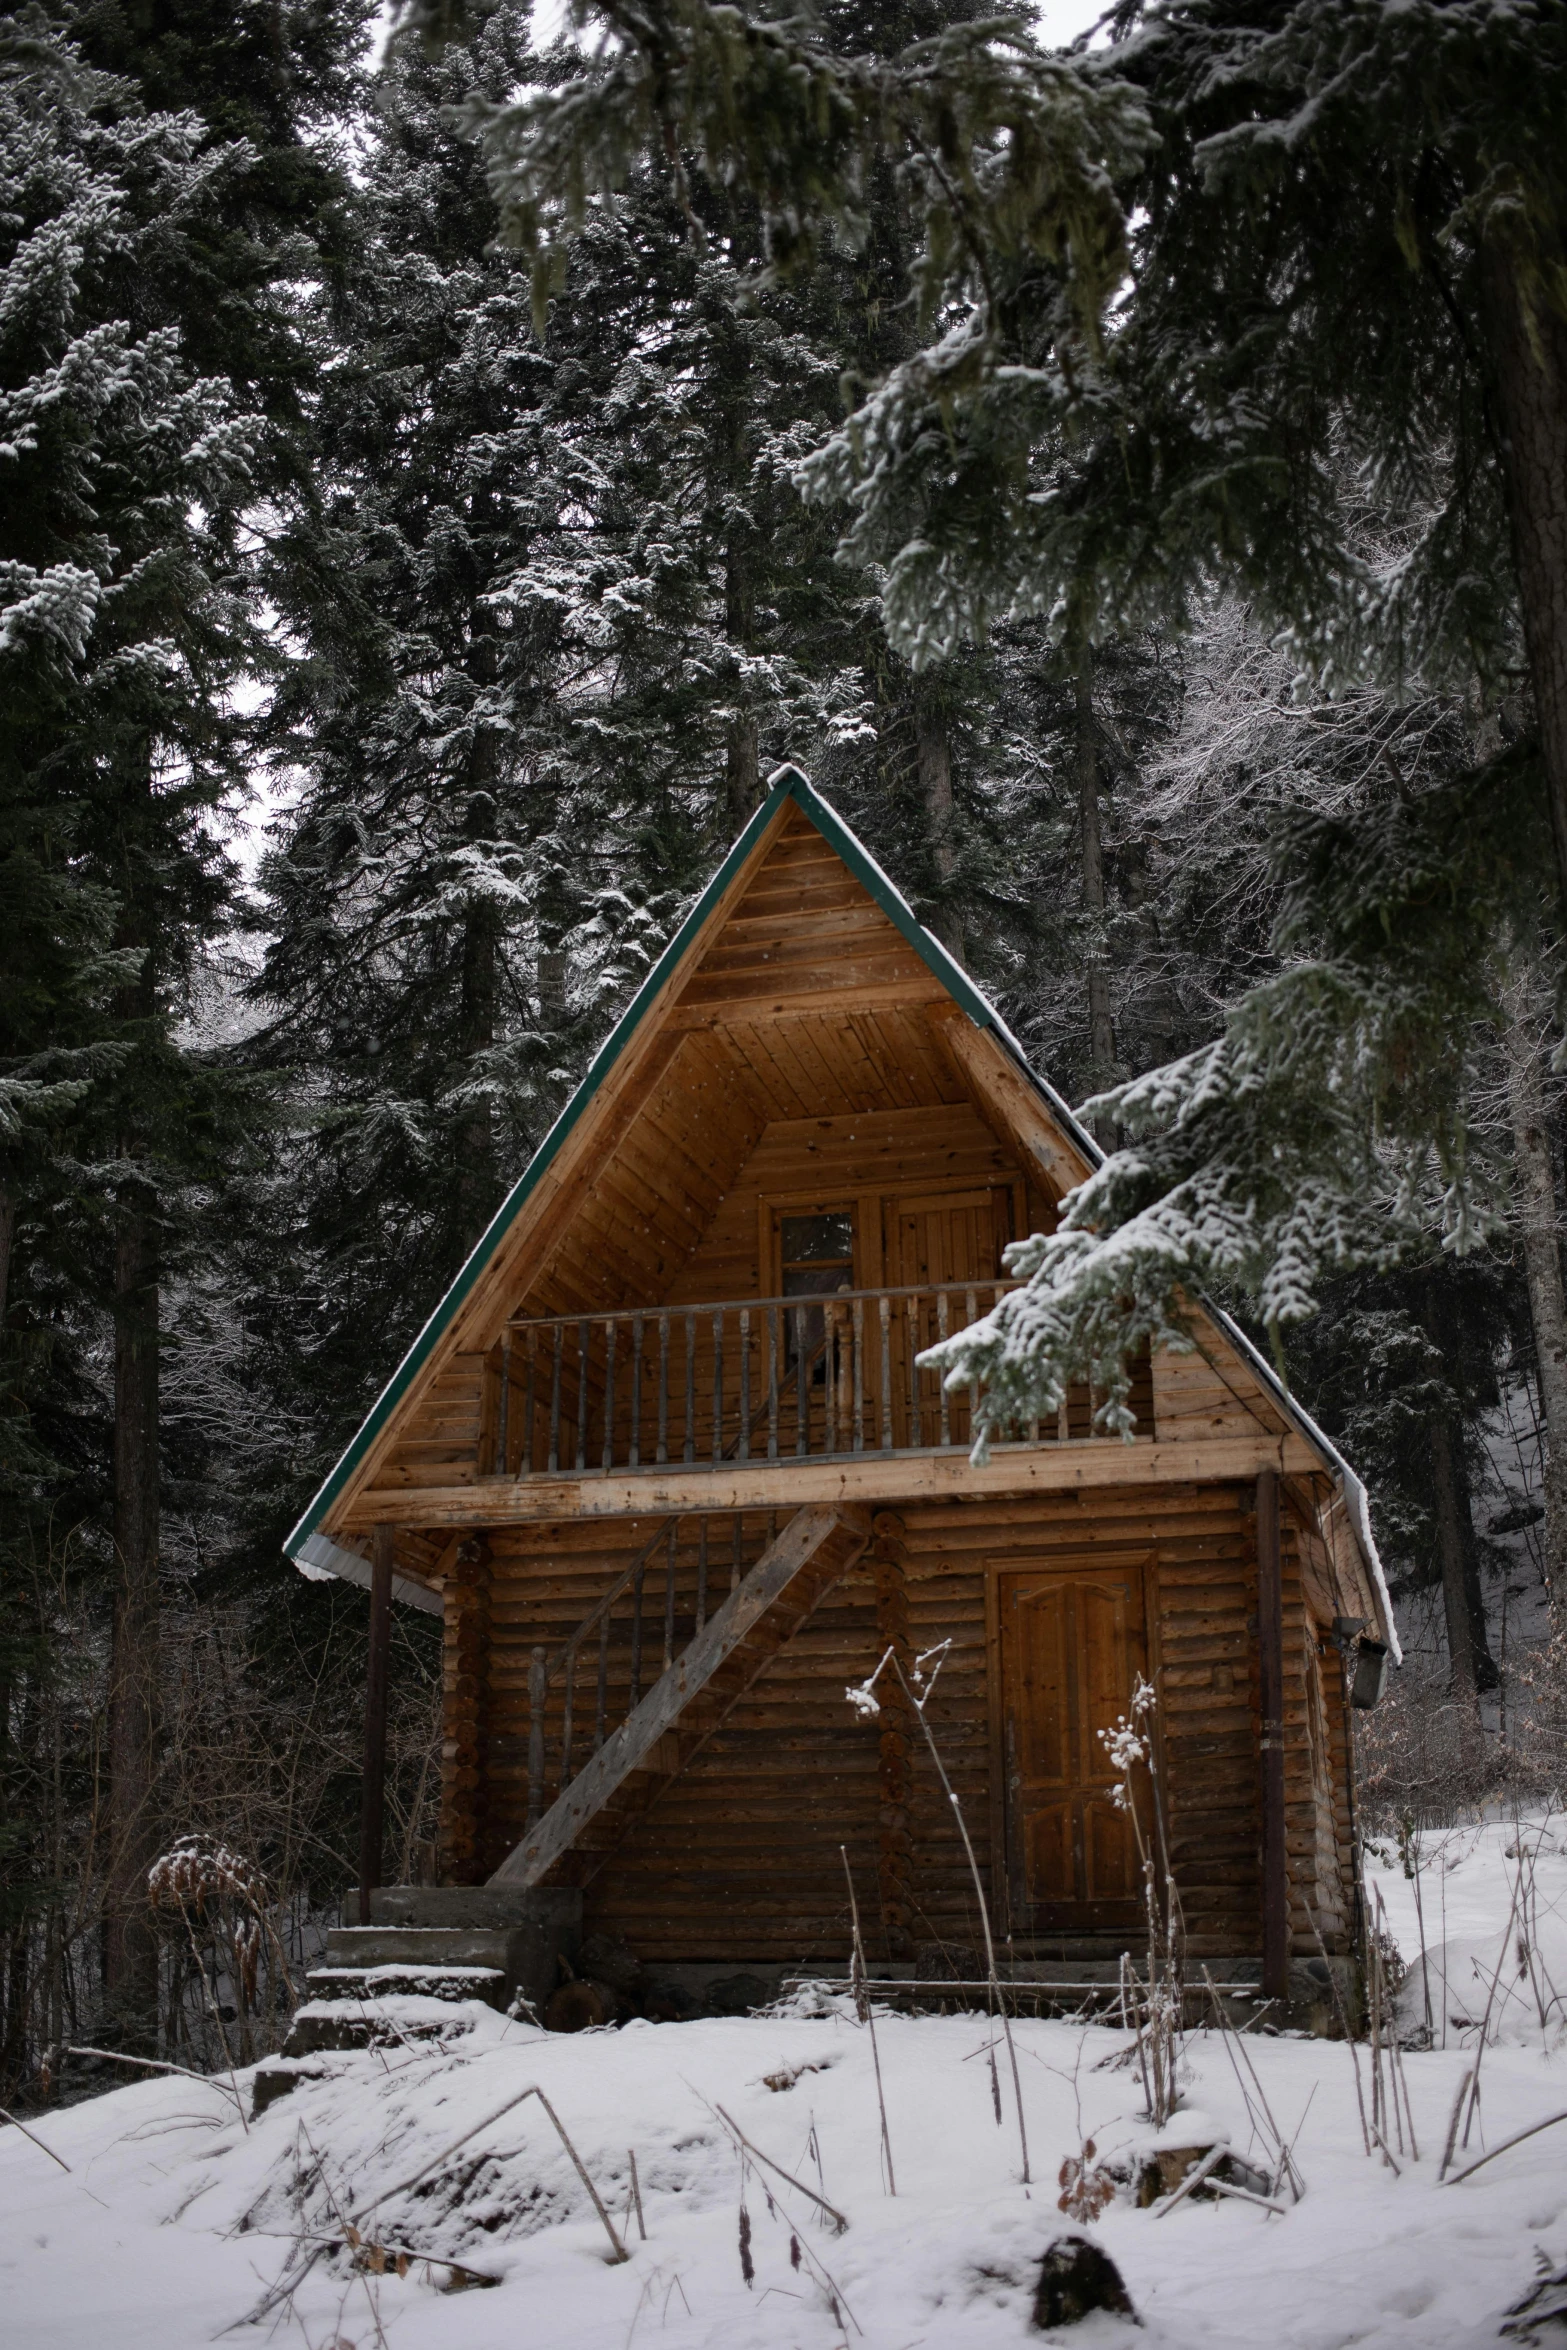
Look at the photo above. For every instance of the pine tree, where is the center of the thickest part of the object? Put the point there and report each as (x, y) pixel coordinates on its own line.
(125, 628)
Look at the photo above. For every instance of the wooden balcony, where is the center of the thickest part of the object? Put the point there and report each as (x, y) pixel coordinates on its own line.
(756, 1380)
(769, 1404)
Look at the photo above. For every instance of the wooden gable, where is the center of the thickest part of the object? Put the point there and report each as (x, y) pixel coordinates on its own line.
(803, 1036)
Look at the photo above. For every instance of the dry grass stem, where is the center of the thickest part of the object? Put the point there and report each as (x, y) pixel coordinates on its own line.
(862, 2001)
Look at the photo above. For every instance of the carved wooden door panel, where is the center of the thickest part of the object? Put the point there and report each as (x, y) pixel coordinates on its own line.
(1072, 1645)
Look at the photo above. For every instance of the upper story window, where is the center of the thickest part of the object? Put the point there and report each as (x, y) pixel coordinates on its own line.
(816, 1257)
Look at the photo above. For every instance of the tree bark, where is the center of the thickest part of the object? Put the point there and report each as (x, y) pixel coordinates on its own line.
(1471, 1664)
(1528, 341)
(742, 753)
(1535, 1192)
(475, 1188)
(7, 1235)
(1101, 1024)
(131, 1953)
(933, 766)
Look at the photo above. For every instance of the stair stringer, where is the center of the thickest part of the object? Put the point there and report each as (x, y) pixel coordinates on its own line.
(700, 1687)
(718, 1700)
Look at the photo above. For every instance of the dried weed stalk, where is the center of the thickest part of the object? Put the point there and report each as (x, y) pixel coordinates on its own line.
(862, 1696)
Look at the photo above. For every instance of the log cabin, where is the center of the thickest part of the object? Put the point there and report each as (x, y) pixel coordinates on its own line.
(668, 1465)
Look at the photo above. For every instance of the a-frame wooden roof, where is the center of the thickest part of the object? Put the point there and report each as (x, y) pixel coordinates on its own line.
(800, 985)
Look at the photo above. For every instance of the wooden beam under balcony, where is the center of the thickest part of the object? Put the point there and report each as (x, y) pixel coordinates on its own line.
(874, 1480)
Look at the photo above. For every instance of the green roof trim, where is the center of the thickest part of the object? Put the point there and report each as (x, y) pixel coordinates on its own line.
(788, 784)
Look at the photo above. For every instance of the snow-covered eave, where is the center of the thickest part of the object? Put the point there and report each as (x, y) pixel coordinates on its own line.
(1357, 1505)
(320, 1560)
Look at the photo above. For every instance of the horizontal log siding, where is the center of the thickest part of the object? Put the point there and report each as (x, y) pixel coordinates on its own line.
(739, 1860)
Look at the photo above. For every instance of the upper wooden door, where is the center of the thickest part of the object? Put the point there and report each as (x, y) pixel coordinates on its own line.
(931, 1240)
(945, 1236)
(1072, 1645)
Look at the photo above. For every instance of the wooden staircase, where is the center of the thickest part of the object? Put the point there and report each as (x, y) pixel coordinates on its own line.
(682, 1710)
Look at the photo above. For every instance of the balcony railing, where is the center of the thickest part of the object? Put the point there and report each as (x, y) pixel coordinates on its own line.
(758, 1379)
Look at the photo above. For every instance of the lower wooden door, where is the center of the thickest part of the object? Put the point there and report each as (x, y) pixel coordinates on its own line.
(1072, 1644)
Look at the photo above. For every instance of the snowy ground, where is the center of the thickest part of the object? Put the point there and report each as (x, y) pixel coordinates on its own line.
(174, 2222)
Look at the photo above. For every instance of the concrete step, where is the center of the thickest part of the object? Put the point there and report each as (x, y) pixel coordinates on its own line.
(381, 1980)
(349, 2006)
(437, 1946)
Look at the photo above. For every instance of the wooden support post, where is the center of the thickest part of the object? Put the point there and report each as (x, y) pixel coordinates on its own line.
(465, 1675)
(1270, 1653)
(372, 1812)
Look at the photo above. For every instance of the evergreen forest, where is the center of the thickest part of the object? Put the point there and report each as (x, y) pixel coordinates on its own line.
(447, 465)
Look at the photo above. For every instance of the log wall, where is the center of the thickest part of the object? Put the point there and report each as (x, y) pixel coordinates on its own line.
(740, 1859)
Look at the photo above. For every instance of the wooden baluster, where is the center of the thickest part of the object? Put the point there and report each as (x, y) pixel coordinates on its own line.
(688, 1450)
(885, 1307)
(525, 1463)
(745, 1383)
(701, 1572)
(663, 1388)
(601, 1707)
(609, 1394)
(503, 1416)
(941, 1377)
(835, 1378)
(669, 1596)
(772, 1383)
(857, 1346)
(582, 1394)
(832, 1358)
(802, 1387)
(538, 1691)
(972, 1315)
(1064, 1423)
(634, 1449)
(560, 1342)
(911, 1336)
(718, 1388)
(565, 1720)
(636, 1638)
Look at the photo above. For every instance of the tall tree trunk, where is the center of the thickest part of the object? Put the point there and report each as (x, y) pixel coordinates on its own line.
(742, 753)
(131, 1956)
(1455, 1597)
(1528, 344)
(7, 1235)
(933, 766)
(1101, 1025)
(475, 1186)
(1535, 1190)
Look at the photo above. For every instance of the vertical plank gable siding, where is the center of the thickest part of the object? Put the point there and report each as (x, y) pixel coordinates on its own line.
(835, 1159)
(739, 1859)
